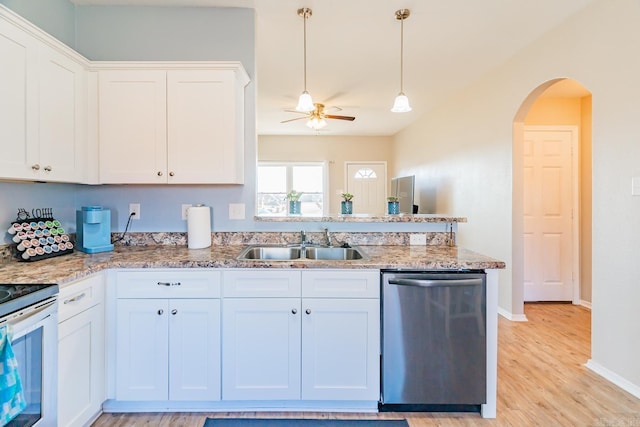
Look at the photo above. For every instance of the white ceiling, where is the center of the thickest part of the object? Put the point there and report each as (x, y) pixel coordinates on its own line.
(353, 58)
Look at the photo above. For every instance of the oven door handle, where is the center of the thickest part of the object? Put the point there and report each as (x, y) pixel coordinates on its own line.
(28, 312)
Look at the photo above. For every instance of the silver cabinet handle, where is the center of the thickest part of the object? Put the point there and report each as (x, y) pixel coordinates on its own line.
(159, 173)
(171, 174)
(169, 283)
(308, 311)
(47, 168)
(294, 311)
(174, 311)
(36, 167)
(160, 312)
(75, 299)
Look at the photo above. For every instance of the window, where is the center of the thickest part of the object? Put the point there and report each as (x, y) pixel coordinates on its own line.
(276, 179)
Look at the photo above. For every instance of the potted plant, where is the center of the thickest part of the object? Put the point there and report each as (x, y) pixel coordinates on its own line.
(393, 205)
(347, 203)
(295, 206)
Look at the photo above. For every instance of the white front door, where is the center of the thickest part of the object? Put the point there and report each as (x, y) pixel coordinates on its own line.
(548, 202)
(368, 184)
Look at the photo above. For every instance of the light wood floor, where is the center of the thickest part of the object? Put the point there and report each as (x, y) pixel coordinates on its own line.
(541, 382)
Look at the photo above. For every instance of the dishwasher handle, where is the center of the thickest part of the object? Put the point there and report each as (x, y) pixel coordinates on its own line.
(434, 283)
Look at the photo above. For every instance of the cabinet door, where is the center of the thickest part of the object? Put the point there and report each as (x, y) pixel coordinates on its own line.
(61, 116)
(81, 385)
(340, 349)
(194, 349)
(18, 103)
(202, 122)
(142, 349)
(132, 123)
(261, 349)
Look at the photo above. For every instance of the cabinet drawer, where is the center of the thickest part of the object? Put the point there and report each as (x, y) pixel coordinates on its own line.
(178, 283)
(79, 296)
(261, 283)
(341, 284)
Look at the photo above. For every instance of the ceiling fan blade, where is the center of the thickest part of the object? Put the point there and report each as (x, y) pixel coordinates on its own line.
(331, 116)
(291, 120)
(295, 111)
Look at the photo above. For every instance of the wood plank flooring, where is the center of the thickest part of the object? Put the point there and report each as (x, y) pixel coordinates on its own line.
(541, 382)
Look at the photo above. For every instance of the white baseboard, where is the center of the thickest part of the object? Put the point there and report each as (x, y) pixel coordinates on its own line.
(586, 304)
(614, 378)
(510, 316)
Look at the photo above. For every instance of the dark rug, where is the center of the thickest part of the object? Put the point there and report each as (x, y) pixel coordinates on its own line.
(292, 422)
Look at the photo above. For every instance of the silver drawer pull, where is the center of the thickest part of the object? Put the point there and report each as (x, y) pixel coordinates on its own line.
(294, 311)
(75, 299)
(308, 311)
(160, 312)
(174, 311)
(169, 284)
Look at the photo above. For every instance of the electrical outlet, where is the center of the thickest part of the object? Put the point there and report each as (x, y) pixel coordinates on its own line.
(134, 208)
(185, 207)
(418, 239)
(236, 210)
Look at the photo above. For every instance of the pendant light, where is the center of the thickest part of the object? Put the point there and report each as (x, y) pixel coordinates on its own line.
(305, 104)
(401, 104)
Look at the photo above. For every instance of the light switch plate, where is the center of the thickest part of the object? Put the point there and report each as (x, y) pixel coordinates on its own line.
(418, 239)
(236, 210)
(635, 186)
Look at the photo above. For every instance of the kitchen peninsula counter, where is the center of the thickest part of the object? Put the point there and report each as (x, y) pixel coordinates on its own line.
(67, 268)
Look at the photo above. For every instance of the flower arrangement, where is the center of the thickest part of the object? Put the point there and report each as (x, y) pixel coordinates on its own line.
(392, 199)
(294, 196)
(346, 197)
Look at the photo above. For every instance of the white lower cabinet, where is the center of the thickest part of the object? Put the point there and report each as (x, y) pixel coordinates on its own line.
(167, 348)
(81, 360)
(291, 335)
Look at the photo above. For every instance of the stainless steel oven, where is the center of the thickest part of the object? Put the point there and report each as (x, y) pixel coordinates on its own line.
(31, 312)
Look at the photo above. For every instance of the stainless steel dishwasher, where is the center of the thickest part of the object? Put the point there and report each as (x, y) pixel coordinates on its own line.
(433, 341)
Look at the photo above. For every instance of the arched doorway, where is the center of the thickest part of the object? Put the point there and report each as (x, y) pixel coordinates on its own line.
(566, 103)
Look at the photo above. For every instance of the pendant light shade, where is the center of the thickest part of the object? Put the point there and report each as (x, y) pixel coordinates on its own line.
(305, 103)
(401, 104)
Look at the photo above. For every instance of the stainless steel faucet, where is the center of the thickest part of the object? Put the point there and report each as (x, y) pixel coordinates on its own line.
(327, 236)
(303, 238)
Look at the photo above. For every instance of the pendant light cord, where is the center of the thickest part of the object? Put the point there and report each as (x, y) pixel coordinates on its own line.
(304, 17)
(402, 55)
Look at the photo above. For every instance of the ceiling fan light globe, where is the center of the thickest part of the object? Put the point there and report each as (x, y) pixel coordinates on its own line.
(316, 124)
(401, 104)
(305, 103)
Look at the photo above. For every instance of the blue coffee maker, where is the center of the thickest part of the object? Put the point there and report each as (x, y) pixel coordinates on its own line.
(93, 229)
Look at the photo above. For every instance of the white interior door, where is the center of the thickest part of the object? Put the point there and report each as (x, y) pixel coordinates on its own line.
(548, 202)
(368, 184)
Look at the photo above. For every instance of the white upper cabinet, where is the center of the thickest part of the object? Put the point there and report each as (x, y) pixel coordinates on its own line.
(133, 126)
(171, 123)
(43, 106)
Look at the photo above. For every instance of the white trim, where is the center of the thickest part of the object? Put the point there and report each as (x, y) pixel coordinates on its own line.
(585, 304)
(513, 317)
(575, 201)
(614, 378)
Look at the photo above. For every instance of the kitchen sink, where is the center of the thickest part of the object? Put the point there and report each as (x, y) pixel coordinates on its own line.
(274, 253)
(334, 253)
(290, 253)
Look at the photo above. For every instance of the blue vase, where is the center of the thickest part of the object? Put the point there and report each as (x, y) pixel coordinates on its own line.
(346, 208)
(393, 208)
(295, 208)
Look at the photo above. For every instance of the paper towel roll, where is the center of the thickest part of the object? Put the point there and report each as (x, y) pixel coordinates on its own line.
(199, 227)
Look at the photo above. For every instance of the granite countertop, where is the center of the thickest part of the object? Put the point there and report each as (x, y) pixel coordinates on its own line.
(70, 267)
(365, 218)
